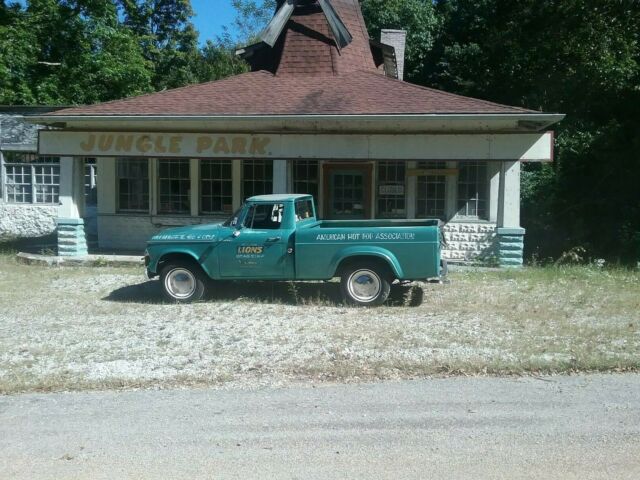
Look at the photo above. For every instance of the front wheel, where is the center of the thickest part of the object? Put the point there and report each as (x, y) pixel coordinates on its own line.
(365, 285)
(182, 283)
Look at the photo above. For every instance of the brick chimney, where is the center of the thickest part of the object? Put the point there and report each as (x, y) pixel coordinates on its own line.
(398, 40)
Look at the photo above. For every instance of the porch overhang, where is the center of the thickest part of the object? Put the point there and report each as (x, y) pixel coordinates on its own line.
(279, 124)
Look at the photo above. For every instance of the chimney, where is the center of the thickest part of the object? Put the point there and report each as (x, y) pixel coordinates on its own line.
(398, 40)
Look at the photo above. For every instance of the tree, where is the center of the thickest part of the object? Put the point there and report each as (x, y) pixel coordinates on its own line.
(219, 61)
(167, 37)
(573, 56)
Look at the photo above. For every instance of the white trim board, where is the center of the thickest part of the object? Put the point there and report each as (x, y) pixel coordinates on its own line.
(501, 147)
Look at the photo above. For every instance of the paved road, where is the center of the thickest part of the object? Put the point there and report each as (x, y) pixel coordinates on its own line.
(562, 427)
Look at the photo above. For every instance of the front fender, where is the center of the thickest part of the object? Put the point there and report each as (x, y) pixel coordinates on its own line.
(367, 251)
(158, 252)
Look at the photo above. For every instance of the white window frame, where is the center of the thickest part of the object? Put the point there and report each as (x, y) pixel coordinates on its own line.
(32, 166)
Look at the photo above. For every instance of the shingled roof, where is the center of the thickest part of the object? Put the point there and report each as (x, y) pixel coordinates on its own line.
(304, 73)
(262, 93)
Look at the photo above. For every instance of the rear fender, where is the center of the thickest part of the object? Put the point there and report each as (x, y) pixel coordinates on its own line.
(370, 251)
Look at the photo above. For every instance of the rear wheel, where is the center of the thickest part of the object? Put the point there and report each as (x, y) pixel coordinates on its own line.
(182, 282)
(365, 285)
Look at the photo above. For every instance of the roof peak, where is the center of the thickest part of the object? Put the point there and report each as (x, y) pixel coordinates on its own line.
(309, 38)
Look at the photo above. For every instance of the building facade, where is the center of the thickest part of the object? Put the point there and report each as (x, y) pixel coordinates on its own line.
(321, 112)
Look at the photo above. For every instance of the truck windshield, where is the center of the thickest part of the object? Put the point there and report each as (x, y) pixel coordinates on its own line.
(232, 221)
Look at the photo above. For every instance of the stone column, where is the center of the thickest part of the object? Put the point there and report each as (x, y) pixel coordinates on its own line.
(510, 235)
(71, 237)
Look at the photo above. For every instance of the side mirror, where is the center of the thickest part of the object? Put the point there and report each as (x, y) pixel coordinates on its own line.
(236, 233)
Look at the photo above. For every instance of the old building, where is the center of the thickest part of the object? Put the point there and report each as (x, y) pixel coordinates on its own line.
(323, 111)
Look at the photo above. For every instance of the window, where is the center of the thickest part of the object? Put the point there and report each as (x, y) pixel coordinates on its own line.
(174, 186)
(257, 177)
(391, 190)
(133, 185)
(472, 189)
(30, 178)
(304, 210)
(90, 182)
(431, 194)
(305, 177)
(265, 216)
(215, 186)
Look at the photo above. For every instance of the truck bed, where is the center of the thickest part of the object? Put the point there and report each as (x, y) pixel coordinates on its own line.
(413, 246)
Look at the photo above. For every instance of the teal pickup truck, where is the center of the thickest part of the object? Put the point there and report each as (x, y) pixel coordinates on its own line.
(278, 237)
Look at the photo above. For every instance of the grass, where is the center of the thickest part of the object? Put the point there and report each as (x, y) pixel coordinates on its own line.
(106, 328)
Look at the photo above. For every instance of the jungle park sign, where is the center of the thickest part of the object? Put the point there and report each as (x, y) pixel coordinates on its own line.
(532, 147)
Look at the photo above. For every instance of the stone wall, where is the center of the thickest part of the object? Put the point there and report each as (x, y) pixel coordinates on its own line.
(15, 131)
(26, 221)
(470, 242)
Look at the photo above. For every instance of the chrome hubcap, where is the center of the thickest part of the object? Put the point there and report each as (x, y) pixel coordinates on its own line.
(364, 285)
(180, 283)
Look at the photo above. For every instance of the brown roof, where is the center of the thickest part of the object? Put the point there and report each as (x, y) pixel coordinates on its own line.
(262, 93)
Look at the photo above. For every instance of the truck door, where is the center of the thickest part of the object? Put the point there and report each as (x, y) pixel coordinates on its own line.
(259, 249)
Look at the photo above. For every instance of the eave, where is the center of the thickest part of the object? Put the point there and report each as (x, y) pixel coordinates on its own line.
(384, 123)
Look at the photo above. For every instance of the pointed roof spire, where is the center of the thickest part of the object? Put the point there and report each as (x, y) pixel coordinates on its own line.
(313, 38)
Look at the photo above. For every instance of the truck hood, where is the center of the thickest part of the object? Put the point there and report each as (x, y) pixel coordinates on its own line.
(190, 233)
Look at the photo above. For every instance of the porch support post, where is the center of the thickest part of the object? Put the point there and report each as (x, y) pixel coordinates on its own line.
(280, 176)
(510, 236)
(71, 236)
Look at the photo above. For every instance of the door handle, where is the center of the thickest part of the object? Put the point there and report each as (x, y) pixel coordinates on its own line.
(273, 239)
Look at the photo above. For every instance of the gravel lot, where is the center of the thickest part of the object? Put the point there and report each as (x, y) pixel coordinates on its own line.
(98, 328)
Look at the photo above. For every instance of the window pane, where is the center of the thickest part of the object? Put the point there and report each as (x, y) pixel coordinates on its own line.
(215, 186)
(174, 186)
(133, 184)
(305, 177)
(473, 190)
(391, 189)
(431, 191)
(257, 177)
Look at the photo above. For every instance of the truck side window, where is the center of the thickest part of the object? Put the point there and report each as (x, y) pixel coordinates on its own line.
(265, 216)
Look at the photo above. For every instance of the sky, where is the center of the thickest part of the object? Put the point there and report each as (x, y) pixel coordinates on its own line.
(211, 16)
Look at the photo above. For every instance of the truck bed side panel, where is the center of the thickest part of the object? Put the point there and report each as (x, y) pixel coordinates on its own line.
(415, 249)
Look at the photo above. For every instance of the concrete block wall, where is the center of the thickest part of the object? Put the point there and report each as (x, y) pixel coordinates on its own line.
(470, 242)
(26, 220)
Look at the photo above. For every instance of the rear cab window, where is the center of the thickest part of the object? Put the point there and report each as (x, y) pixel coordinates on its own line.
(304, 210)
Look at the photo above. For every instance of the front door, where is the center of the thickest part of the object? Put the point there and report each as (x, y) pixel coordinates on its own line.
(347, 192)
(259, 249)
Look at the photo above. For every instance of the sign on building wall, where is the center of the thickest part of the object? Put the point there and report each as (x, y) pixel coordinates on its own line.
(391, 190)
(531, 147)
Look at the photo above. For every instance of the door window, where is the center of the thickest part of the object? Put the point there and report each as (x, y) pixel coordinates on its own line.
(348, 195)
(266, 216)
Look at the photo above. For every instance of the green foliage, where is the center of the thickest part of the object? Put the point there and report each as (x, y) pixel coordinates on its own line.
(251, 17)
(417, 17)
(64, 52)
